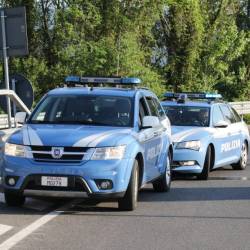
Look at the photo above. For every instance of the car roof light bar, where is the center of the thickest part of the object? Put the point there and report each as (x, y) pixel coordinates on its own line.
(102, 80)
(193, 95)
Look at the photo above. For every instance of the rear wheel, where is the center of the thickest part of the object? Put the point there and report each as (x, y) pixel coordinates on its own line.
(164, 182)
(14, 200)
(207, 165)
(242, 163)
(129, 201)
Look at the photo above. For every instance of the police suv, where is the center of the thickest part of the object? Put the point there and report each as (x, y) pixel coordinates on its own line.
(207, 133)
(89, 142)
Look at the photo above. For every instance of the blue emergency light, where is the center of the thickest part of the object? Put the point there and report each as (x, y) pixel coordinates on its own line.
(102, 80)
(192, 95)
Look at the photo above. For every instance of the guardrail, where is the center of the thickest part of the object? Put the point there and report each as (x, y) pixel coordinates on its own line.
(242, 108)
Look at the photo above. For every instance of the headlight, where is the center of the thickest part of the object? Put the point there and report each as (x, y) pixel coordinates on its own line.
(16, 150)
(194, 145)
(109, 153)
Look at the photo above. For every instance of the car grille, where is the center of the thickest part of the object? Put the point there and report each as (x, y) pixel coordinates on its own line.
(70, 154)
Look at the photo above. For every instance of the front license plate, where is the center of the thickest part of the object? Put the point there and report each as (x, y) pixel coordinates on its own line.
(54, 181)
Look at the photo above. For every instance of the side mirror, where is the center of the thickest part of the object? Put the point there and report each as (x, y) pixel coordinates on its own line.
(221, 124)
(150, 122)
(20, 117)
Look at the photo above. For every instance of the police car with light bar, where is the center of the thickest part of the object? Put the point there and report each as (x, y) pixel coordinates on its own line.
(207, 133)
(89, 142)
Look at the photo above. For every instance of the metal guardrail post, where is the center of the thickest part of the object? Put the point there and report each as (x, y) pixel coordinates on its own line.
(6, 66)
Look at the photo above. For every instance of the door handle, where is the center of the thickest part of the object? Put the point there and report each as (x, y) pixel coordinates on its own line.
(156, 133)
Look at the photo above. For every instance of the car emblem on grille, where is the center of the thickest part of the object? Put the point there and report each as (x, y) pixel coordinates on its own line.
(57, 152)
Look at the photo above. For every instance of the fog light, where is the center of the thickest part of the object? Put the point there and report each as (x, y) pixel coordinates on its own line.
(11, 181)
(187, 163)
(104, 184)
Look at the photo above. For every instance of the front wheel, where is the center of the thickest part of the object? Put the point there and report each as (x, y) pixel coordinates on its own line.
(242, 163)
(207, 165)
(164, 182)
(14, 200)
(129, 201)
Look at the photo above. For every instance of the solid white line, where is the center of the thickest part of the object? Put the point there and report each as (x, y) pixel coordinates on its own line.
(4, 229)
(16, 238)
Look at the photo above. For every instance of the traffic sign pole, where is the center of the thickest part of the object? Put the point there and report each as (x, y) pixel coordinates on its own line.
(6, 66)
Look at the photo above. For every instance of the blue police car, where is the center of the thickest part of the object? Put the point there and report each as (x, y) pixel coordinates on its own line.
(89, 142)
(207, 133)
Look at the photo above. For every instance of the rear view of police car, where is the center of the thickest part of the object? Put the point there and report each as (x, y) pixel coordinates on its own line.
(89, 142)
(207, 133)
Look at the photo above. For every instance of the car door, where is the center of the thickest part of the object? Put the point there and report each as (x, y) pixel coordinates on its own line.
(220, 135)
(145, 137)
(237, 130)
(165, 136)
(241, 126)
(231, 147)
(155, 146)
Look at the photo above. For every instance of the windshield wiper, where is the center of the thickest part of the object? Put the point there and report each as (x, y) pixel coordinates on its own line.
(84, 122)
(87, 122)
(41, 122)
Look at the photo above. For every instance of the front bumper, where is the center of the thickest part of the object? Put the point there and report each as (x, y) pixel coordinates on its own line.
(67, 194)
(185, 155)
(82, 177)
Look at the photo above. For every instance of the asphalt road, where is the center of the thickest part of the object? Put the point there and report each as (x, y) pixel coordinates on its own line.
(213, 214)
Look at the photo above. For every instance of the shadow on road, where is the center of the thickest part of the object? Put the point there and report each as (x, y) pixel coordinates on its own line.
(148, 195)
(197, 194)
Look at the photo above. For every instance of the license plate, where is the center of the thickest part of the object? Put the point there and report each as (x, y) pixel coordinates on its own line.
(54, 181)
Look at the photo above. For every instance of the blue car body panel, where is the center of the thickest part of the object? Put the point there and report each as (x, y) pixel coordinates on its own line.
(150, 144)
(226, 142)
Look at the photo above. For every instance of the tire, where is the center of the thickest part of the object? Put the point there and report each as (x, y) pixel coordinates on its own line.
(163, 184)
(14, 200)
(207, 165)
(242, 163)
(129, 201)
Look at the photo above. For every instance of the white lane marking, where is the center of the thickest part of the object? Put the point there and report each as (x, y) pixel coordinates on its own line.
(16, 238)
(4, 229)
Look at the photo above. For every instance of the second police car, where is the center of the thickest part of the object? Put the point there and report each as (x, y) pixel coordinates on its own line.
(207, 133)
(94, 142)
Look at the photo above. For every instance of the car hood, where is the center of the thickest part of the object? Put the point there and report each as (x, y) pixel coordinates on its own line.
(182, 133)
(70, 135)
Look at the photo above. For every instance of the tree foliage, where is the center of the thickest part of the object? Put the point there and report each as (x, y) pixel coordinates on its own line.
(194, 45)
(206, 46)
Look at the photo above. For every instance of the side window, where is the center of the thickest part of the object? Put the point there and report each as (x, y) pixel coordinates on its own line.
(160, 110)
(143, 111)
(217, 114)
(229, 117)
(152, 106)
(236, 115)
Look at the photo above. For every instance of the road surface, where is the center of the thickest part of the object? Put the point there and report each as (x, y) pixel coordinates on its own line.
(213, 214)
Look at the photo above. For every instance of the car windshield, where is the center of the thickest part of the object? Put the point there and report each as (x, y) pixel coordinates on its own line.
(188, 115)
(84, 109)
